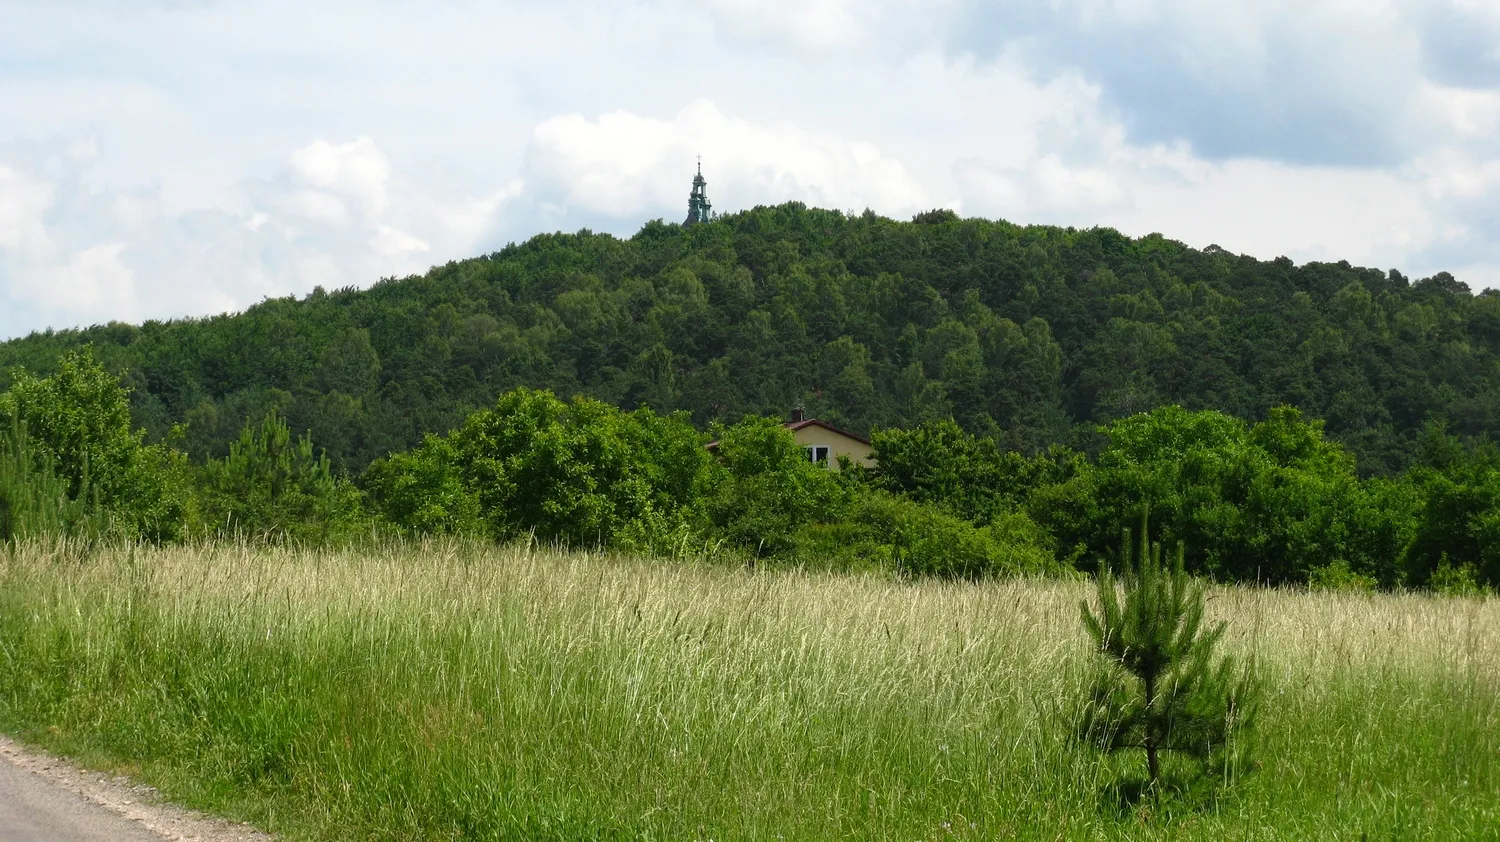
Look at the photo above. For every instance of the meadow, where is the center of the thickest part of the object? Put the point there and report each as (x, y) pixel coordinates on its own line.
(452, 690)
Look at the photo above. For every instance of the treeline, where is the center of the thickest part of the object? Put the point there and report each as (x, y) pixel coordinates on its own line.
(1274, 502)
(579, 473)
(1030, 336)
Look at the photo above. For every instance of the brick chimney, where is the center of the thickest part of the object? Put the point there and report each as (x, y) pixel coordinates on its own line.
(798, 415)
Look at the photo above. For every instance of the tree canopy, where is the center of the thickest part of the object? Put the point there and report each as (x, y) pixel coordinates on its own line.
(1030, 335)
(1027, 391)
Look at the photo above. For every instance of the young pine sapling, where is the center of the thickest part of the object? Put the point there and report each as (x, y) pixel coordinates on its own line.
(1161, 687)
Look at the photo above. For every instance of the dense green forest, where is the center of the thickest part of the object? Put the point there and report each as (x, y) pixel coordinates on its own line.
(1031, 334)
(1028, 391)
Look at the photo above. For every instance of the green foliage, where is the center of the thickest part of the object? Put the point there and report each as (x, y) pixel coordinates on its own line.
(766, 488)
(581, 473)
(34, 501)
(1034, 335)
(1458, 522)
(423, 491)
(1270, 502)
(1284, 421)
(1336, 576)
(1161, 687)
(79, 418)
(883, 531)
(1459, 580)
(77, 423)
(274, 487)
(938, 463)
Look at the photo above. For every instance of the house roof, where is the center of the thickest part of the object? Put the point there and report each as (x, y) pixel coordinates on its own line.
(794, 426)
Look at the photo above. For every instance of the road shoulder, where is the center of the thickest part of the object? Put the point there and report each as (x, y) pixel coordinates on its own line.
(88, 805)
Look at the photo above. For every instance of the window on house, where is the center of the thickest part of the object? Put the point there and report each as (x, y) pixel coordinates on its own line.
(817, 453)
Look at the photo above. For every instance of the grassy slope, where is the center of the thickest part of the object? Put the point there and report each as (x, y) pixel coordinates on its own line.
(461, 692)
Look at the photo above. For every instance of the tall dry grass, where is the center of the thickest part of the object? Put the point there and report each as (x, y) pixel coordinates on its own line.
(448, 690)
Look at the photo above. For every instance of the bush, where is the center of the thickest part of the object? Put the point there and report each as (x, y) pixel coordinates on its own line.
(970, 476)
(883, 531)
(423, 492)
(1337, 576)
(1457, 524)
(582, 473)
(79, 420)
(765, 490)
(1456, 579)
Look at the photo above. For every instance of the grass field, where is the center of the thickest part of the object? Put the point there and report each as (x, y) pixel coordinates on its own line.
(462, 692)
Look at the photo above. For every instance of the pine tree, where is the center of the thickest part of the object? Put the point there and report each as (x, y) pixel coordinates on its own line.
(1160, 687)
(35, 501)
(275, 486)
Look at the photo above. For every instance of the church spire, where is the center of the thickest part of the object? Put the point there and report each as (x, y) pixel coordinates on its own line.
(699, 208)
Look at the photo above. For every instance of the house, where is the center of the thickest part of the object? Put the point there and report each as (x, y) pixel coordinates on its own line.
(824, 442)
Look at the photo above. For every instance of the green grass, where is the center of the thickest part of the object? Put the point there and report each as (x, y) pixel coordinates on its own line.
(450, 691)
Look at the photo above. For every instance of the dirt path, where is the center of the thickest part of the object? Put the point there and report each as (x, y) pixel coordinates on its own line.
(44, 798)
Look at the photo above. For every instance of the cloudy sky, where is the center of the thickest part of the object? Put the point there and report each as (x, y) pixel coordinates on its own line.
(176, 157)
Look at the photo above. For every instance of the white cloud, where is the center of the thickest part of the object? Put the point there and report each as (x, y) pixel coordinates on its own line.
(626, 165)
(319, 207)
(92, 283)
(202, 156)
(389, 242)
(24, 200)
(810, 23)
(1454, 174)
(358, 170)
(1473, 115)
(36, 268)
(1255, 207)
(333, 215)
(822, 26)
(1307, 213)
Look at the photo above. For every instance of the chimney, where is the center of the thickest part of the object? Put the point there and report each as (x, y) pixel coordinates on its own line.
(798, 415)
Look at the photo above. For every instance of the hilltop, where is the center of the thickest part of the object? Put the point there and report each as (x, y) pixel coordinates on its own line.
(1031, 334)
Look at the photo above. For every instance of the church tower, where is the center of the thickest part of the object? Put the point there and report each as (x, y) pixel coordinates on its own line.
(698, 204)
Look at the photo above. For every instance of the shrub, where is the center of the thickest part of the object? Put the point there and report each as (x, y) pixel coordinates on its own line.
(579, 473)
(1337, 576)
(423, 492)
(1455, 579)
(925, 541)
(884, 531)
(1458, 523)
(936, 462)
(766, 490)
(79, 420)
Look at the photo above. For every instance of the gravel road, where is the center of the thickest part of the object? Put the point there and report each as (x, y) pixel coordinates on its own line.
(44, 799)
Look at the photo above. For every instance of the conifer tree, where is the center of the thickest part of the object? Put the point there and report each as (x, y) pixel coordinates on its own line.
(35, 501)
(1161, 687)
(275, 486)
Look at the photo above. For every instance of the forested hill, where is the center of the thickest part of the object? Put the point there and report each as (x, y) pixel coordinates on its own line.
(1033, 334)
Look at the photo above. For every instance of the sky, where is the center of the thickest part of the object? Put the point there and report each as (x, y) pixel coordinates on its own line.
(170, 158)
